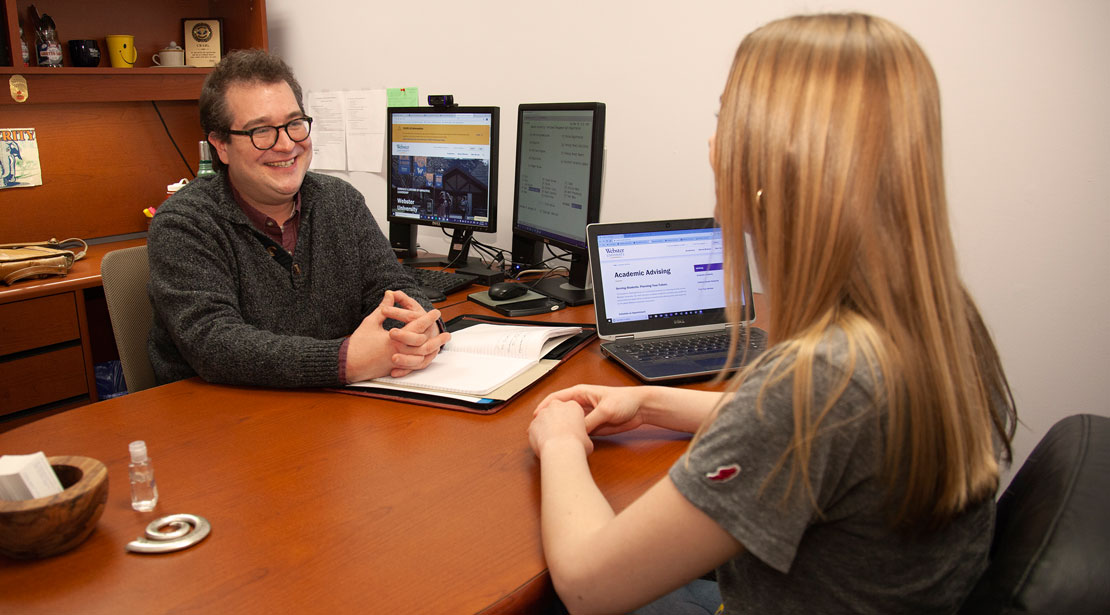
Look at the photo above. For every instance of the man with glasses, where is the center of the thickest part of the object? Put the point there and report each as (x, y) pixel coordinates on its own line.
(268, 274)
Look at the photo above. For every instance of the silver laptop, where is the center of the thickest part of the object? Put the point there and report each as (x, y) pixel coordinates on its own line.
(659, 298)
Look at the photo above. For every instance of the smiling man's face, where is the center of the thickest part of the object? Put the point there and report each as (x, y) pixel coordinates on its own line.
(264, 178)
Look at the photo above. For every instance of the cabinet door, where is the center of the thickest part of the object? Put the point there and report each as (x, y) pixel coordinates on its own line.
(40, 352)
(35, 323)
(42, 378)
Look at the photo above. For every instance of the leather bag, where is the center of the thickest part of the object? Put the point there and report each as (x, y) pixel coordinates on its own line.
(20, 261)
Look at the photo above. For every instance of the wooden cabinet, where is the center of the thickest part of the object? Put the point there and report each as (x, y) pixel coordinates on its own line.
(109, 139)
(53, 332)
(42, 354)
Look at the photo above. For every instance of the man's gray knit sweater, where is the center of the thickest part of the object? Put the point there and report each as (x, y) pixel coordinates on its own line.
(228, 311)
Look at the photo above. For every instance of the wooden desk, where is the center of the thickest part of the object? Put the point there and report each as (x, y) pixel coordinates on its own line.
(322, 502)
(49, 330)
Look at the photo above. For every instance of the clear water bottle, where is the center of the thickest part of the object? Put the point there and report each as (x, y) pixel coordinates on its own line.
(144, 492)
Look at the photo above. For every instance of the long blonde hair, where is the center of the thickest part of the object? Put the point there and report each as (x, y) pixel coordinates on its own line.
(828, 153)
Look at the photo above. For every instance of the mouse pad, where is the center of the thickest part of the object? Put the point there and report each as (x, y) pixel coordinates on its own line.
(483, 298)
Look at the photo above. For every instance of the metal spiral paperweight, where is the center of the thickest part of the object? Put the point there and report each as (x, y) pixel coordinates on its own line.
(186, 531)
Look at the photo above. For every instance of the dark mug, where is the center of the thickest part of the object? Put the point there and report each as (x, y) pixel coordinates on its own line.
(84, 52)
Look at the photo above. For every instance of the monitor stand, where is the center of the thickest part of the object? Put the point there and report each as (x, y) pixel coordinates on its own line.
(475, 266)
(572, 289)
(457, 258)
(424, 261)
(402, 238)
(459, 255)
(560, 288)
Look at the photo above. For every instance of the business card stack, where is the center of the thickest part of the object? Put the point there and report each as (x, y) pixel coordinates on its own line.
(27, 477)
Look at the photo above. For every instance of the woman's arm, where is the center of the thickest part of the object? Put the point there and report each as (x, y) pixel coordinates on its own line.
(606, 562)
(612, 410)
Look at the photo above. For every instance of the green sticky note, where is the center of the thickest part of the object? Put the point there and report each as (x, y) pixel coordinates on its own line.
(402, 97)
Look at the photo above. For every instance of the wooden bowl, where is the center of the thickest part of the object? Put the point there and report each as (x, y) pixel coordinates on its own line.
(42, 527)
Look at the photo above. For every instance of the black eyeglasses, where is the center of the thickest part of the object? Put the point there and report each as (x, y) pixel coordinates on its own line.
(265, 137)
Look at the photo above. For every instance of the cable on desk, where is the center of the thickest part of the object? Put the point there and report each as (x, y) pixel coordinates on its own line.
(560, 271)
(565, 256)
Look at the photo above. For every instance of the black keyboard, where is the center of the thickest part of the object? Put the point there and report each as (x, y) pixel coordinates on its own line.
(445, 282)
(689, 345)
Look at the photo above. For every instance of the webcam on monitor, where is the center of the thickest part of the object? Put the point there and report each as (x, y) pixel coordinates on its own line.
(441, 100)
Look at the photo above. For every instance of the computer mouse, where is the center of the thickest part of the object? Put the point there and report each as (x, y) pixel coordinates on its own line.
(502, 291)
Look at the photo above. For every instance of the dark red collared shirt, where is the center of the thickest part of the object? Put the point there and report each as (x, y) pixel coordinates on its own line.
(286, 235)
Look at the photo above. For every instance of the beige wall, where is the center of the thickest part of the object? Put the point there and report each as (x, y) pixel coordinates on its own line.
(1025, 100)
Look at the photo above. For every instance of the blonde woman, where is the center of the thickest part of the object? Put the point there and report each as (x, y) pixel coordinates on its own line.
(852, 467)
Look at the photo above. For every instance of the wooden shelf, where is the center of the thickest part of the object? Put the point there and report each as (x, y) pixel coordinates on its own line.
(154, 25)
(84, 85)
(68, 71)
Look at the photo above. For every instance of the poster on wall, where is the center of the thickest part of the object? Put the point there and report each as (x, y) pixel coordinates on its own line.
(19, 158)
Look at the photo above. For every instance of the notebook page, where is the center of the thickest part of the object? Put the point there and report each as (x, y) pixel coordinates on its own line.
(460, 372)
(521, 341)
(481, 358)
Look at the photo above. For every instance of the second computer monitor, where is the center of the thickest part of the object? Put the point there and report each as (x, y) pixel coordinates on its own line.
(559, 153)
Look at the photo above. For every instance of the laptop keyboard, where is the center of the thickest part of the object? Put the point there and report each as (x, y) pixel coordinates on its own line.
(690, 345)
(445, 282)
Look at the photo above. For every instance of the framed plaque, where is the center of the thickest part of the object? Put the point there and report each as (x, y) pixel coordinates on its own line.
(204, 41)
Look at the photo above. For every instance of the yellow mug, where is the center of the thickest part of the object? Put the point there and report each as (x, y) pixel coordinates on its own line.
(121, 50)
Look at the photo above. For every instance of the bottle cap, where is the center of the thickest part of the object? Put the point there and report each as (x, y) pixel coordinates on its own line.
(205, 151)
(138, 451)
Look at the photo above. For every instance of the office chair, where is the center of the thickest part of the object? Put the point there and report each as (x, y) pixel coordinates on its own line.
(124, 274)
(1051, 546)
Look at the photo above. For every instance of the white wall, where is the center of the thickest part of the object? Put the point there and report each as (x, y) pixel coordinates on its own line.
(1026, 102)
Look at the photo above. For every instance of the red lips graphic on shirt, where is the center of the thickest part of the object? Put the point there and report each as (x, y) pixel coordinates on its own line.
(723, 473)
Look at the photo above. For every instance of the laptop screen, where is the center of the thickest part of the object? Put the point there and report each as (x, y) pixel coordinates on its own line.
(657, 275)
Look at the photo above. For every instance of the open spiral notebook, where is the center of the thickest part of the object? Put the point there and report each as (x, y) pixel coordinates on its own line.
(481, 358)
(488, 362)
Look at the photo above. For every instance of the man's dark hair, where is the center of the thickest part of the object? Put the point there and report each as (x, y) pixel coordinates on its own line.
(244, 66)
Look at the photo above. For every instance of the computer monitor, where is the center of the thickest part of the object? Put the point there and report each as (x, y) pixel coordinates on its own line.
(442, 172)
(559, 149)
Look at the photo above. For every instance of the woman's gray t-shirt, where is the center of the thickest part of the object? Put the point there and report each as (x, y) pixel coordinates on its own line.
(848, 559)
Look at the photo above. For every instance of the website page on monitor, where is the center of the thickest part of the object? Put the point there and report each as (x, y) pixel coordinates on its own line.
(661, 274)
(554, 174)
(440, 166)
